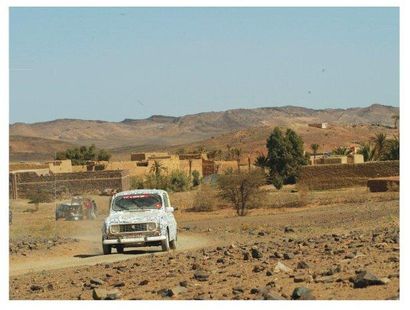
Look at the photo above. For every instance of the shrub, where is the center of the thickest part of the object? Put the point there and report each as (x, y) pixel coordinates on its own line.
(136, 182)
(153, 181)
(239, 188)
(205, 199)
(195, 178)
(179, 181)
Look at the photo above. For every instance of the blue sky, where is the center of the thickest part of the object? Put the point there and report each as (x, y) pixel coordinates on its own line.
(116, 63)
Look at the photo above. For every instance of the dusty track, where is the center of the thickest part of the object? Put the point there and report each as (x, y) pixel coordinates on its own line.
(88, 252)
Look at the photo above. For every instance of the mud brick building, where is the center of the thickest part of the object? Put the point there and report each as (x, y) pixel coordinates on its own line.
(22, 184)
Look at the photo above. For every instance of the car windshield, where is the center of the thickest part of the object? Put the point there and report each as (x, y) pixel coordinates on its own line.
(137, 202)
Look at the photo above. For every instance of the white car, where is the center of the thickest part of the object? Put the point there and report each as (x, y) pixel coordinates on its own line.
(139, 218)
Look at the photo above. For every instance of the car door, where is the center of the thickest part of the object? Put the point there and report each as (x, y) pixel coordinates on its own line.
(170, 218)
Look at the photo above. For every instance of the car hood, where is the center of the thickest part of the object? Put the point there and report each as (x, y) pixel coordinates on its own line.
(125, 217)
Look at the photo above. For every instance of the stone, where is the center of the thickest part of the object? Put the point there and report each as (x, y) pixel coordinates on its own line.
(99, 294)
(256, 253)
(201, 275)
(302, 265)
(184, 283)
(119, 284)
(143, 282)
(165, 292)
(302, 293)
(96, 281)
(288, 229)
(365, 279)
(237, 290)
(258, 268)
(36, 287)
(176, 290)
(113, 294)
(280, 267)
(288, 255)
(246, 256)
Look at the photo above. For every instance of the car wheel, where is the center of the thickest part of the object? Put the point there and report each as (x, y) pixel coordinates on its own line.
(106, 249)
(173, 243)
(120, 249)
(165, 244)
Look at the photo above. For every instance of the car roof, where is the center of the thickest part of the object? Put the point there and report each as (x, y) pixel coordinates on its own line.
(140, 191)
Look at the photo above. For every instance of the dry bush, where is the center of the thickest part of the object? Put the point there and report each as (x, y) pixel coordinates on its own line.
(205, 199)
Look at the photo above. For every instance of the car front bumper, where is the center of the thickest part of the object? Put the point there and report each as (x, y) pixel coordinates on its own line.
(130, 240)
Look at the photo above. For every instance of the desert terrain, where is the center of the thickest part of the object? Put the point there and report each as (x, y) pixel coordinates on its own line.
(242, 128)
(334, 244)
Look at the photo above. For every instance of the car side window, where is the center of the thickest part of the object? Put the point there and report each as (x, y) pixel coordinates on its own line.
(166, 202)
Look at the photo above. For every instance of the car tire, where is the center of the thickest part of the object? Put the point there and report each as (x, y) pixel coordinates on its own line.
(173, 243)
(165, 244)
(106, 249)
(120, 249)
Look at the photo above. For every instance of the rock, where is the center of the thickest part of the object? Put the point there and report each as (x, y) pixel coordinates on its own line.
(201, 275)
(176, 290)
(99, 294)
(256, 253)
(288, 255)
(246, 256)
(220, 261)
(254, 290)
(96, 281)
(365, 278)
(36, 287)
(299, 278)
(280, 267)
(385, 280)
(302, 265)
(325, 279)
(183, 283)
(288, 229)
(143, 282)
(119, 284)
(258, 268)
(165, 292)
(113, 294)
(237, 290)
(302, 293)
(271, 295)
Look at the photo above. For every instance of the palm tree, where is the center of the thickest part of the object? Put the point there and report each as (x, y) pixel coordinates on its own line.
(380, 144)
(395, 118)
(368, 152)
(314, 148)
(157, 167)
(236, 153)
(261, 161)
(342, 150)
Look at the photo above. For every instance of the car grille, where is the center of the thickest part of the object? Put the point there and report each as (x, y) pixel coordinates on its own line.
(133, 227)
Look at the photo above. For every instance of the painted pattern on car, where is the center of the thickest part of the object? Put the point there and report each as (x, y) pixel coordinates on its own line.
(163, 218)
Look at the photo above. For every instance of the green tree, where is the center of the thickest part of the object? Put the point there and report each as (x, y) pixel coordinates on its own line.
(103, 155)
(240, 188)
(285, 156)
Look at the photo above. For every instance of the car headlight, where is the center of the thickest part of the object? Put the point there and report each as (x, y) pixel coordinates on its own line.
(151, 226)
(115, 229)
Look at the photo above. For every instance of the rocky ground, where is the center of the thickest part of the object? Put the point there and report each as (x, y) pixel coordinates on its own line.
(334, 251)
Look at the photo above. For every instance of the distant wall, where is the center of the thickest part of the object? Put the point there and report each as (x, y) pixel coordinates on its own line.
(22, 184)
(346, 175)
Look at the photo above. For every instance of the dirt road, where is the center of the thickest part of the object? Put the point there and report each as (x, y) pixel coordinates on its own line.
(88, 252)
